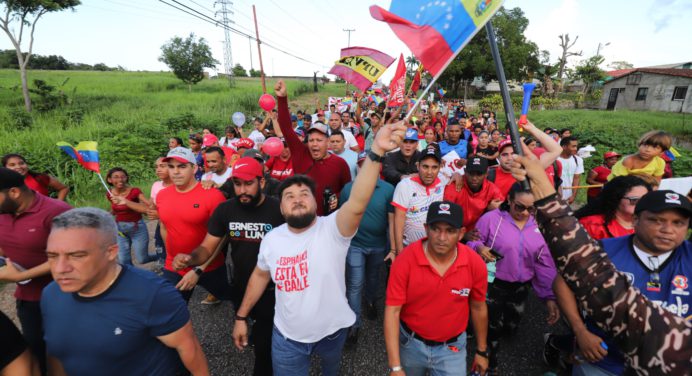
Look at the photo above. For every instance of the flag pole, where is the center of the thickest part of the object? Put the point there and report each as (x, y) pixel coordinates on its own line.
(104, 184)
(504, 91)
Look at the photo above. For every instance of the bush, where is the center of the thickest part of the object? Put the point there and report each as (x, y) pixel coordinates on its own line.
(180, 122)
(19, 118)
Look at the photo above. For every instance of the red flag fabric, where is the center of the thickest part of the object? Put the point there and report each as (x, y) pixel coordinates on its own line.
(397, 87)
(415, 85)
(361, 66)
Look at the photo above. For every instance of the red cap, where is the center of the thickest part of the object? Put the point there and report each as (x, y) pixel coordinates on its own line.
(245, 143)
(246, 168)
(209, 140)
(610, 154)
(503, 144)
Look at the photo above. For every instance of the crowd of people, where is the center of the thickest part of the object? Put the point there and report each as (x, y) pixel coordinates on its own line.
(298, 242)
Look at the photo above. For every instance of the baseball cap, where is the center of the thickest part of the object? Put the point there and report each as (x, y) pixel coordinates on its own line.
(181, 154)
(477, 164)
(411, 135)
(503, 144)
(252, 153)
(374, 113)
(10, 179)
(361, 157)
(209, 140)
(247, 168)
(294, 118)
(430, 151)
(245, 143)
(445, 211)
(610, 154)
(318, 126)
(300, 132)
(658, 201)
(307, 118)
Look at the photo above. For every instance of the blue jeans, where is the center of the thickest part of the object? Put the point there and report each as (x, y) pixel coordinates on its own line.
(133, 235)
(292, 358)
(588, 369)
(159, 244)
(362, 269)
(214, 281)
(417, 358)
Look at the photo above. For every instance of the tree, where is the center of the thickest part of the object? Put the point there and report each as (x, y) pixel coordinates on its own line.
(255, 73)
(519, 55)
(187, 58)
(566, 46)
(617, 65)
(589, 72)
(545, 72)
(411, 64)
(20, 17)
(239, 71)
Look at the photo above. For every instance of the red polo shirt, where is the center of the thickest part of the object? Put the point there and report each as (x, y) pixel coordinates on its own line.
(473, 203)
(504, 181)
(23, 239)
(433, 306)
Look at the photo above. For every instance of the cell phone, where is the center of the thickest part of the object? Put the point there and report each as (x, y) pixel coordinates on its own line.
(497, 256)
(2, 262)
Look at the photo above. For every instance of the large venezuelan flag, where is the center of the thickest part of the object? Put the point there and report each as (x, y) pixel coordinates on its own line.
(361, 66)
(86, 153)
(436, 30)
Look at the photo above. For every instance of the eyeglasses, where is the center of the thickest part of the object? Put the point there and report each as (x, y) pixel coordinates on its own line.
(520, 208)
(632, 200)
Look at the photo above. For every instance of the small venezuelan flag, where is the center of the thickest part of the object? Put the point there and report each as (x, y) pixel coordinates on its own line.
(85, 153)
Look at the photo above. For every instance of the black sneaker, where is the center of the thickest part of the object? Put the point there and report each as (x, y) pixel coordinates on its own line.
(371, 311)
(551, 354)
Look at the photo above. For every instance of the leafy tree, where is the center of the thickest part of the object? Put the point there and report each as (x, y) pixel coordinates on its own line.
(19, 17)
(589, 72)
(188, 58)
(255, 73)
(519, 55)
(239, 71)
(617, 65)
(101, 67)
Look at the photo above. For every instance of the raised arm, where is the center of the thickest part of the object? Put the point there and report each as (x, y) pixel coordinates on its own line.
(552, 148)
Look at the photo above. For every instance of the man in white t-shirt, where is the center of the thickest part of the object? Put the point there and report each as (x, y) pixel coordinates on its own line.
(218, 170)
(335, 125)
(306, 260)
(572, 167)
(413, 196)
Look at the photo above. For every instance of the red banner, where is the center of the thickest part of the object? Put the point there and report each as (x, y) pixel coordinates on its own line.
(397, 88)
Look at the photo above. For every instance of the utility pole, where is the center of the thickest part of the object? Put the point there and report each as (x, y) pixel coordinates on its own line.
(226, 21)
(249, 40)
(349, 31)
(259, 51)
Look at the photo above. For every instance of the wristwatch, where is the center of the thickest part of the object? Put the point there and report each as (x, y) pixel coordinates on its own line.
(375, 157)
(396, 369)
(240, 318)
(483, 353)
(198, 270)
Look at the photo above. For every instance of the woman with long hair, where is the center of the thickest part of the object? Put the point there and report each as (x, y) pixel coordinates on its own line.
(610, 214)
(39, 182)
(127, 205)
(510, 237)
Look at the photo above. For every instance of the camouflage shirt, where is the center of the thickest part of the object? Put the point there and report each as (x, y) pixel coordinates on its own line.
(653, 340)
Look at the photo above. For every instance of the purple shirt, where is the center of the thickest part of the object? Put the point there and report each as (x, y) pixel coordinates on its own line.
(526, 255)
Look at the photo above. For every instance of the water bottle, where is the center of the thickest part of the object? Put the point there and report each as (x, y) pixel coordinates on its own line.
(326, 200)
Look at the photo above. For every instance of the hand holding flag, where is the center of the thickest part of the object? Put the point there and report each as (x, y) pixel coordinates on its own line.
(86, 153)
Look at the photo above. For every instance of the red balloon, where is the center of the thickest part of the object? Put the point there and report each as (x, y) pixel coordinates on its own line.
(267, 102)
(273, 146)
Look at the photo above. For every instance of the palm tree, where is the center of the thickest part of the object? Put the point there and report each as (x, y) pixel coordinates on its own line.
(412, 64)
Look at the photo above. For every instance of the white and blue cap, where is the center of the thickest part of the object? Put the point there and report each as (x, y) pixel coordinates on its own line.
(411, 135)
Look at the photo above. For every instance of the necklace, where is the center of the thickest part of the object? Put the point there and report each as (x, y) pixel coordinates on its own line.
(117, 273)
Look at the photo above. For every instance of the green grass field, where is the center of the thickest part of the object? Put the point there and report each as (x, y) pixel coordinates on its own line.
(132, 115)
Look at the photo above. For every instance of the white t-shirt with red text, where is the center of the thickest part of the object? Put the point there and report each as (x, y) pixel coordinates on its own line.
(309, 272)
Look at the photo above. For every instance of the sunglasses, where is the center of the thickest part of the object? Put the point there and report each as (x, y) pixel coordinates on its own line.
(632, 200)
(520, 208)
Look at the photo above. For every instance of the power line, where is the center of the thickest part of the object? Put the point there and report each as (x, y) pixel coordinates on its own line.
(294, 18)
(200, 5)
(212, 21)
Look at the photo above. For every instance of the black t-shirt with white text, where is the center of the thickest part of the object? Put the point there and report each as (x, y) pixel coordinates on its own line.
(246, 229)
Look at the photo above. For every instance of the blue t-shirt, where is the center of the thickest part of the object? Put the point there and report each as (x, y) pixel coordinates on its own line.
(672, 293)
(115, 333)
(372, 232)
(461, 148)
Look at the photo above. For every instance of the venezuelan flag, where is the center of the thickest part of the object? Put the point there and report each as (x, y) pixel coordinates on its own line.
(86, 153)
(441, 91)
(436, 31)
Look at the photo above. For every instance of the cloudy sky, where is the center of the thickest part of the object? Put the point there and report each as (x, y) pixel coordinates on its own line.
(130, 32)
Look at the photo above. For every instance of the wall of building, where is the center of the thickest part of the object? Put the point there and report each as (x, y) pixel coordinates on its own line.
(658, 98)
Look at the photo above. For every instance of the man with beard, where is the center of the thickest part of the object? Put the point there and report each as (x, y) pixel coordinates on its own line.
(306, 259)
(25, 222)
(246, 219)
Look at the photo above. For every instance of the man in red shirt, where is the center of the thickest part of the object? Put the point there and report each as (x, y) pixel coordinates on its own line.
(477, 195)
(312, 159)
(25, 222)
(502, 176)
(184, 209)
(433, 285)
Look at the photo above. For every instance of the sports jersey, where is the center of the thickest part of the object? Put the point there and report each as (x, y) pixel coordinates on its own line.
(461, 148)
(308, 269)
(411, 196)
(185, 216)
(115, 332)
(672, 291)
